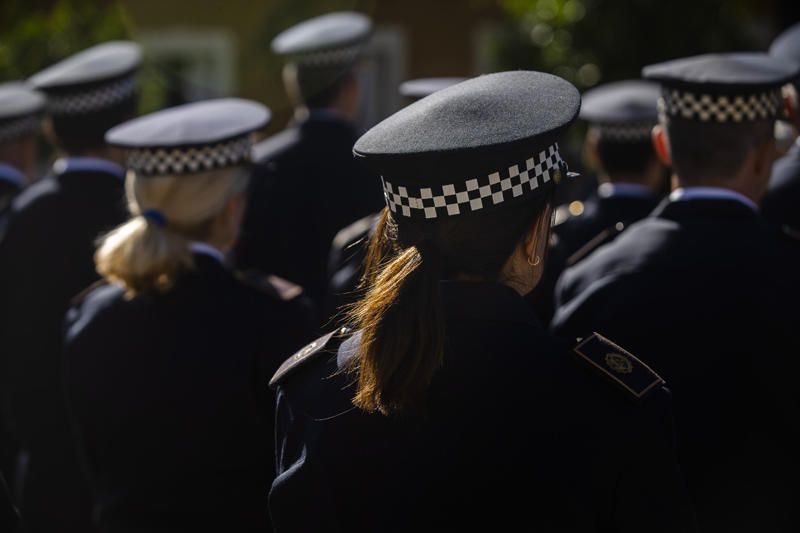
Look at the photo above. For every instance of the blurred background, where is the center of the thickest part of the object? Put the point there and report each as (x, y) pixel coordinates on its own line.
(197, 49)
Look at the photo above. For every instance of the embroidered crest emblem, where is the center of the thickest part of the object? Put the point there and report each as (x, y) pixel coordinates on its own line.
(619, 363)
(305, 351)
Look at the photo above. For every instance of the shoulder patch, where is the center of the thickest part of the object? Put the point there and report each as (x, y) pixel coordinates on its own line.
(605, 236)
(308, 353)
(263, 151)
(271, 284)
(619, 365)
(285, 288)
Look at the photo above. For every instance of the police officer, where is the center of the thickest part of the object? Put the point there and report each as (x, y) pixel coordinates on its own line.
(308, 168)
(176, 421)
(696, 289)
(631, 179)
(46, 258)
(780, 203)
(349, 246)
(450, 408)
(19, 122)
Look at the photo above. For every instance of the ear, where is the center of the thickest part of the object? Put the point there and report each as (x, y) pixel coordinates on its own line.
(537, 240)
(49, 131)
(764, 155)
(661, 144)
(590, 149)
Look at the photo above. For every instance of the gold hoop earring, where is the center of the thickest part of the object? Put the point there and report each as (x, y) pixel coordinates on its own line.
(535, 262)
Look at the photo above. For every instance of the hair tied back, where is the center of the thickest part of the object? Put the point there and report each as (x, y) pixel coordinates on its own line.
(155, 216)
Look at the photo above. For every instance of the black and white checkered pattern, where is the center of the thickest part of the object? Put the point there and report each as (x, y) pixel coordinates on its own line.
(323, 58)
(476, 193)
(189, 160)
(721, 108)
(91, 101)
(15, 128)
(631, 132)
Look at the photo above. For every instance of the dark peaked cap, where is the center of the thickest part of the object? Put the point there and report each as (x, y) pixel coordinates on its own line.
(733, 87)
(91, 80)
(190, 138)
(20, 106)
(787, 44)
(622, 110)
(329, 39)
(422, 87)
(479, 144)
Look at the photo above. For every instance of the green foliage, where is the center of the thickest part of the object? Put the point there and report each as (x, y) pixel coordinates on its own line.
(588, 41)
(35, 34)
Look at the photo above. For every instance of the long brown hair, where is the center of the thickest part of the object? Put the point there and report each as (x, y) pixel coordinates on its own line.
(401, 317)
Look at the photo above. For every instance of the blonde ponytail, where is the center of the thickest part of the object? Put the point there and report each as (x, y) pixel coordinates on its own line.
(168, 212)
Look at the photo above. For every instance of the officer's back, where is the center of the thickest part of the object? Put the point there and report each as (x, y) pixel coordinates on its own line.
(306, 185)
(450, 407)
(46, 259)
(176, 427)
(697, 289)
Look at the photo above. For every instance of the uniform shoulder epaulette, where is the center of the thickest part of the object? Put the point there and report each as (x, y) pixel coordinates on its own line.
(355, 232)
(605, 236)
(263, 151)
(78, 299)
(273, 285)
(324, 345)
(563, 213)
(619, 365)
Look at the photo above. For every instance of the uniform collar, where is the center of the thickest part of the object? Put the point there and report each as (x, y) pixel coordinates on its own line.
(486, 301)
(12, 175)
(66, 165)
(206, 249)
(684, 194)
(623, 190)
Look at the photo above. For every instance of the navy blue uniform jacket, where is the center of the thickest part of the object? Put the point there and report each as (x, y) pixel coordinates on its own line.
(781, 201)
(518, 434)
(579, 233)
(306, 186)
(699, 290)
(46, 258)
(170, 402)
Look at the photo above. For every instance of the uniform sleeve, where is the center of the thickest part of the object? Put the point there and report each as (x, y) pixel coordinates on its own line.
(253, 248)
(300, 498)
(9, 518)
(652, 494)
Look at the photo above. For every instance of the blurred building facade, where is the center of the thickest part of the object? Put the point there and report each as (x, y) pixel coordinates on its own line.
(205, 48)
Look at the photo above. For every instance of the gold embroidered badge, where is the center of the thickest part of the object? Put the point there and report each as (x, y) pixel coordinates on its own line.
(619, 363)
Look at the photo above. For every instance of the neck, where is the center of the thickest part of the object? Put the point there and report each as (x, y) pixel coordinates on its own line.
(737, 185)
(20, 154)
(115, 155)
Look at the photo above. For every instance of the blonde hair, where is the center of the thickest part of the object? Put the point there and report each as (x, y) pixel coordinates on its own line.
(145, 255)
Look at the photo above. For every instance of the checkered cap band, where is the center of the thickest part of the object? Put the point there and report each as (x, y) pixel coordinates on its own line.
(12, 129)
(90, 101)
(323, 58)
(721, 108)
(631, 132)
(477, 193)
(188, 160)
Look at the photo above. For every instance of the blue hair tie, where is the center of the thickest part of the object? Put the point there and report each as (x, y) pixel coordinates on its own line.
(154, 215)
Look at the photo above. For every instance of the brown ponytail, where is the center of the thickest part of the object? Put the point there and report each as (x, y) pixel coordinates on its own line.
(401, 319)
(401, 316)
